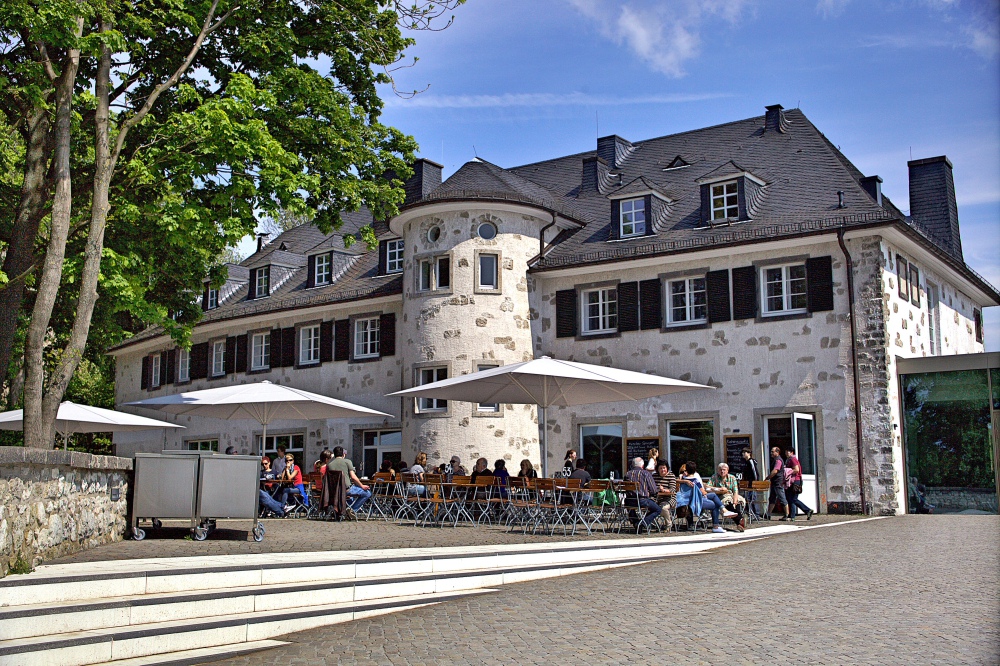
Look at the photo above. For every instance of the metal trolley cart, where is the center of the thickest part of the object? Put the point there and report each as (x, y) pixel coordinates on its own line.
(227, 489)
(165, 486)
(198, 486)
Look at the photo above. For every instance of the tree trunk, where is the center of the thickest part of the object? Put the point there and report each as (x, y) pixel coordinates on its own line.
(21, 252)
(39, 416)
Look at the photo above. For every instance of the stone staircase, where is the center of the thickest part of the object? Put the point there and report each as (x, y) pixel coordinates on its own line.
(189, 610)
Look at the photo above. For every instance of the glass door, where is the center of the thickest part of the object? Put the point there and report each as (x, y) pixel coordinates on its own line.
(804, 442)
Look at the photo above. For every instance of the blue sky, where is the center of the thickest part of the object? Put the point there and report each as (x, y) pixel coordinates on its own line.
(516, 81)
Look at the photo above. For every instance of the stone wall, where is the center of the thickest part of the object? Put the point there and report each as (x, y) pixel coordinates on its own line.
(54, 503)
(946, 500)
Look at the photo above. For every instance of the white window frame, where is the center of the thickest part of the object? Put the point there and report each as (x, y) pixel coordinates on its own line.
(184, 365)
(367, 331)
(631, 217)
(495, 274)
(218, 358)
(322, 272)
(260, 351)
(607, 311)
(211, 444)
(309, 345)
(213, 298)
(690, 307)
(429, 375)
(394, 256)
(262, 287)
(786, 293)
(487, 407)
(933, 318)
(720, 202)
(430, 268)
(155, 374)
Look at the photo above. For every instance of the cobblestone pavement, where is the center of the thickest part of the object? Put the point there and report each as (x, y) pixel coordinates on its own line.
(906, 590)
(298, 535)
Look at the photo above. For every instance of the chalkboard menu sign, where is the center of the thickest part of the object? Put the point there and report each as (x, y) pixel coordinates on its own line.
(638, 447)
(734, 452)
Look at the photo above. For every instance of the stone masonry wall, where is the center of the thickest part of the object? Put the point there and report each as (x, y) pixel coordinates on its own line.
(54, 503)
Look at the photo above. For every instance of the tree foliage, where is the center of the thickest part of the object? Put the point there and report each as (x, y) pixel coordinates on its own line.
(147, 136)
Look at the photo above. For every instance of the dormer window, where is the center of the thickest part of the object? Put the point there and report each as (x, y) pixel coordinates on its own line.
(262, 286)
(322, 270)
(394, 256)
(632, 217)
(725, 200)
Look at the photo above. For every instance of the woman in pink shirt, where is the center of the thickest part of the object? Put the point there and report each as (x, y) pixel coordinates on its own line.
(793, 491)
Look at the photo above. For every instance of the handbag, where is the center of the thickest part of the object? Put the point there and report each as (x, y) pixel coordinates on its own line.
(796, 487)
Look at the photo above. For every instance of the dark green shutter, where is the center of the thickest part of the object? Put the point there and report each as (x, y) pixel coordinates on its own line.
(326, 342)
(167, 364)
(387, 334)
(199, 361)
(242, 343)
(650, 304)
(628, 306)
(616, 220)
(717, 287)
(342, 340)
(566, 313)
(311, 271)
(706, 204)
(144, 378)
(647, 205)
(252, 286)
(288, 358)
(745, 292)
(819, 278)
(230, 361)
(383, 257)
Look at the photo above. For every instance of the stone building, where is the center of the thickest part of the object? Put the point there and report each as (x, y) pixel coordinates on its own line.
(731, 256)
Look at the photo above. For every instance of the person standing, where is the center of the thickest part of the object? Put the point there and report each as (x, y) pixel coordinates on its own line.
(279, 460)
(357, 493)
(777, 478)
(569, 463)
(750, 472)
(653, 455)
(794, 489)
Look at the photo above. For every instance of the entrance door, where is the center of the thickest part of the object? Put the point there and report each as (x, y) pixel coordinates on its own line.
(797, 431)
(804, 441)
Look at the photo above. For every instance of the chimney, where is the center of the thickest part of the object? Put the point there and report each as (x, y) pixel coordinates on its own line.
(873, 186)
(613, 150)
(595, 174)
(426, 176)
(774, 119)
(932, 202)
(261, 240)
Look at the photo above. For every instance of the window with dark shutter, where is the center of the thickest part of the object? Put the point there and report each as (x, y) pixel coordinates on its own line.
(566, 313)
(288, 347)
(252, 285)
(342, 340)
(628, 306)
(977, 320)
(650, 304)
(242, 344)
(167, 362)
(144, 378)
(276, 356)
(311, 271)
(230, 359)
(745, 292)
(819, 278)
(616, 220)
(902, 277)
(387, 334)
(717, 286)
(648, 203)
(706, 204)
(204, 298)
(383, 253)
(326, 342)
(199, 361)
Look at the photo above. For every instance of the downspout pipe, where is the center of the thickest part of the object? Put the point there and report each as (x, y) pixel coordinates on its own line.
(855, 370)
(541, 234)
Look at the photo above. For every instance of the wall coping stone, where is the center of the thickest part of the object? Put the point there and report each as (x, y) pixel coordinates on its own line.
(19, 455)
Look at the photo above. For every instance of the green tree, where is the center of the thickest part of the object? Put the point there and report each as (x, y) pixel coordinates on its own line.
(151, 133)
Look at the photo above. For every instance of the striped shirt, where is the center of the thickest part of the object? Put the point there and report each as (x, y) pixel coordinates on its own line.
(644, 480)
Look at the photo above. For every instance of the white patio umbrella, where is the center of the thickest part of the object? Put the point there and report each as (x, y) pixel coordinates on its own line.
(548, 382)
(262, 402)
(73, 418)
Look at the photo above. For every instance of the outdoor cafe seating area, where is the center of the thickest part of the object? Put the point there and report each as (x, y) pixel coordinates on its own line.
(545, 506)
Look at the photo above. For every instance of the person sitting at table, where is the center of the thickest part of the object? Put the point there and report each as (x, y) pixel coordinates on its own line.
(293, 477)
(482, 468)
(727, 488)
(500, 472)
(642, 497)
(666, 484)
(581, 473)
(418, 487)
(386, 468)
(454, 467)
(357, 493)
(270, 504)
(402, 468)
(279, 460)
(266, 500)
(692, 494)
(527, 470)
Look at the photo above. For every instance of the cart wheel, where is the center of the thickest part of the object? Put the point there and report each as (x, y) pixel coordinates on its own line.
(258, 533)
(260, 526)
(200, 533)
(157, 523)
(138, 534)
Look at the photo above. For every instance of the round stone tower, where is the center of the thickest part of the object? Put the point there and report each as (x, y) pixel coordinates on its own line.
(465, 308)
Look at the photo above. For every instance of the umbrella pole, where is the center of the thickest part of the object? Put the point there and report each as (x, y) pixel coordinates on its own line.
(263, 441)
(545, 441)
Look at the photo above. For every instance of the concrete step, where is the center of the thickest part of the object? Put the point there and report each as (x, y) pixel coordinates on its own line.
(200, 655)
(78, 648)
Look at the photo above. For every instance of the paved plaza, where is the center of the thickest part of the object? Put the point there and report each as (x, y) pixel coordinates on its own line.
(903, 590)
(291, 536)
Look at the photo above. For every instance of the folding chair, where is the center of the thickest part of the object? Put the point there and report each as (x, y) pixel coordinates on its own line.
(383, 491)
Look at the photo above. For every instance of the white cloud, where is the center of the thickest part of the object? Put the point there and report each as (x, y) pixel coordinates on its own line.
(663, 35)
(830, 8)
(508, 100)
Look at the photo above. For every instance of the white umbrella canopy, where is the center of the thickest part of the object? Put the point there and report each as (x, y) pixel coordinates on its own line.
(549, 382)
(73, 418)
(262, 402)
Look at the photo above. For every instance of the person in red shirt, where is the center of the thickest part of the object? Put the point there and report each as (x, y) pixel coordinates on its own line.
(793, 491)
(292, 475)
